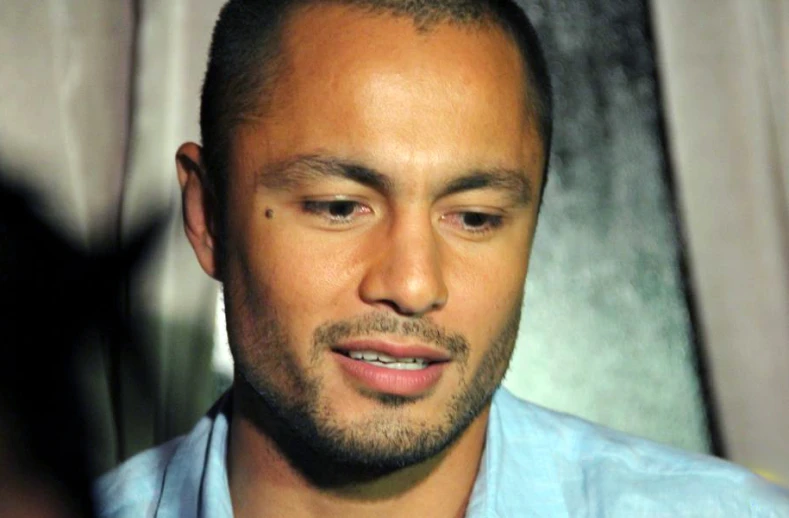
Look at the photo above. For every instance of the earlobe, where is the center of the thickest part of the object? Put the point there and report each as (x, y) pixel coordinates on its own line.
(196, 200)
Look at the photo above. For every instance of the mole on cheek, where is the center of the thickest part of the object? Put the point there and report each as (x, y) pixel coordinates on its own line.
(269, 213)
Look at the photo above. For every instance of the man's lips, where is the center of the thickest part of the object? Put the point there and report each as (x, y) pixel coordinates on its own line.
(394, 350)
(418, 372)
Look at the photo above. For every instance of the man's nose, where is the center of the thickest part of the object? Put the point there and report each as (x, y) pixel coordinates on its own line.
(406, 273)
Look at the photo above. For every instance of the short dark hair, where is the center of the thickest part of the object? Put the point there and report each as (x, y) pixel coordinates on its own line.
(246, 52)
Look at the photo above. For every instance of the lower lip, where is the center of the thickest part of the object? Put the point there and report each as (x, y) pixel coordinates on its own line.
(391, 381)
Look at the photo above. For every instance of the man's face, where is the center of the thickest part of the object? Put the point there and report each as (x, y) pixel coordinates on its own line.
(380, 215)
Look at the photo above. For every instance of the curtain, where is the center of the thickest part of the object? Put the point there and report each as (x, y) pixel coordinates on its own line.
(725, 76)
(172, 300)
(96, 96)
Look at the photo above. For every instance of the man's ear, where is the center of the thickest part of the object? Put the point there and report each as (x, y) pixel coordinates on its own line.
(198, 205)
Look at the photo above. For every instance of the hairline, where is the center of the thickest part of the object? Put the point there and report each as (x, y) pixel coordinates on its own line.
(278, 66)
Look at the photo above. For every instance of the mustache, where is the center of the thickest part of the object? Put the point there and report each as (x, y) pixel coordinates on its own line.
(330, 333)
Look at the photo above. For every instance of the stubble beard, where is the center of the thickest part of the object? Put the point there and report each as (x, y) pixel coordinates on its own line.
(284, 400)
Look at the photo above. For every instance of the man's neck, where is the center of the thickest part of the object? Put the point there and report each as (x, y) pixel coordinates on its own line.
(264, 483)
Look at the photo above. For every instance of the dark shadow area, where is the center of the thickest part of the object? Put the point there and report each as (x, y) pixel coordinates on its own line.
(58, 301)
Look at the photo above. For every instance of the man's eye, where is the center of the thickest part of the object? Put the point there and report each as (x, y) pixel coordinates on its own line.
(336, 211)
(474, 222)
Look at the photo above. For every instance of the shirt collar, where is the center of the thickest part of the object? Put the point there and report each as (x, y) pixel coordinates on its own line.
(517, 474)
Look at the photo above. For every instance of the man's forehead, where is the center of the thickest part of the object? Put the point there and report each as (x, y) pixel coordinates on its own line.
(362, 84)
(319, 28)
(326, 47)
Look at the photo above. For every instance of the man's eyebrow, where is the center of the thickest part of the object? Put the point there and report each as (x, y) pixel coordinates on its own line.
(513, 181)
(289, 173)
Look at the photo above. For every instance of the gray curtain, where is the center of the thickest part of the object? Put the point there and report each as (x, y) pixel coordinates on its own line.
(725, 72)
(95, 98)
(172, 300)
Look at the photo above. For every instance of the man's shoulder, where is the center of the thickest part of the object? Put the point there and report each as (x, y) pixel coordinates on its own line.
(617, 473)
(167, 480)
(134, 487)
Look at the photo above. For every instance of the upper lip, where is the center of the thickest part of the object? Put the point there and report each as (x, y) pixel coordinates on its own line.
(393, 349)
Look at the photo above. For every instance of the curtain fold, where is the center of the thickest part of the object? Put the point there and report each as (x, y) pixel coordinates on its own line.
(725, 66)
(65, 75)
(96, 97)
(64, 106)
(172, 302)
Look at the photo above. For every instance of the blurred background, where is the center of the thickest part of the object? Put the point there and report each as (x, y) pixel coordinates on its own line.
(658, 294)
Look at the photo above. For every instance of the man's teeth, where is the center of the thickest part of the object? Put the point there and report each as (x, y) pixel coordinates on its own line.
(384, 360)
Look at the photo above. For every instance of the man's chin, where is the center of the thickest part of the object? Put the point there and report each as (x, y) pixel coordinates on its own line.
(334, 449)
(393, 401)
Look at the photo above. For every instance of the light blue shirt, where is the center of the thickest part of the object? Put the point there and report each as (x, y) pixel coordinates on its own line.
(536, 462)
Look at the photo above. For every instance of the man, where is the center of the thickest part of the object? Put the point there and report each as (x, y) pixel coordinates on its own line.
(367, 193)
